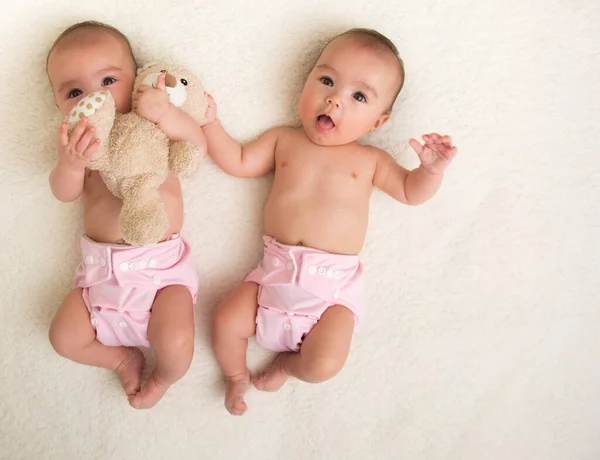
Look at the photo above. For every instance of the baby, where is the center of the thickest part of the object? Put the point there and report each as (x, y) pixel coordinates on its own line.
(126, 296)
(306, 298)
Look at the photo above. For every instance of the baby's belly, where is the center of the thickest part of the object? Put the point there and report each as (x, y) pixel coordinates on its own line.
(101, 212)
(338, 228)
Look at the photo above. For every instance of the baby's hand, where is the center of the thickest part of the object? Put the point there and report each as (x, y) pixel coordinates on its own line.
(436, 154)
(152, 103)
(211, 111)
(75, 152)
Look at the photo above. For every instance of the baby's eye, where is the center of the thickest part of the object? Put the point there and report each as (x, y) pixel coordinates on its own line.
(108, 81)
(326, 81)
(360, 97)
(74, 93)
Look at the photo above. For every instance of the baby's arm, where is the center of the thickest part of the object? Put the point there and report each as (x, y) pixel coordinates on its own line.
(153, 104)
(419, 185)
(74, 154)
(254, 159)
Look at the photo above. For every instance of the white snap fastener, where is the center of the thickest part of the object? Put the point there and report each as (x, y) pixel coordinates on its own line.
(289, 313)
(330, 273)
(321, 271)
(152, 263)
(337, 275)
(312, 269)
(287, 327)
(89, 260)
(94, 322)
(336, 294)
(290, 266)
(132, 266)
(156, 279)
(275, 261)
(120, 310)
(102, 261)
(123, 266)
(143, 264)
(122, 324)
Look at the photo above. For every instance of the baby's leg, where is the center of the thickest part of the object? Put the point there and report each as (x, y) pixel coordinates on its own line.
(322, 354)
(72, 336)
(233, 322)
(171, 334)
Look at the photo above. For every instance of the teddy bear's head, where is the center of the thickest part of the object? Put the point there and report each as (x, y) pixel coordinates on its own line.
(184, 88)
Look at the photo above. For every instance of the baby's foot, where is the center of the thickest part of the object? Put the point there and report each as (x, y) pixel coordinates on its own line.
(130, 370)
(234, 395)
(149, 395)
(273, 379)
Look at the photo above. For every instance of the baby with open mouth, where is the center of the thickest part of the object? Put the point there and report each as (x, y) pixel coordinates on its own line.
(306, 298)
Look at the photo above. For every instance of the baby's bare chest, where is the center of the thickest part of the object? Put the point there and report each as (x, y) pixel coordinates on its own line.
(323, 166)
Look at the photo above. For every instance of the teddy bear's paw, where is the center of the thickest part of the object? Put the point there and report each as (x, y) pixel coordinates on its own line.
(184, 159)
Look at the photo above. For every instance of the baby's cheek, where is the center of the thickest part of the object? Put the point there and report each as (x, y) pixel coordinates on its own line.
(122, 101)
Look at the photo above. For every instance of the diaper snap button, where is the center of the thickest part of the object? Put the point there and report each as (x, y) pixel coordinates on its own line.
(337, 275)
(102, 261)
(336, 294)
(156, 279)
(275, 261)
(287, 327)
(94, 322)
(122, 324)
(132, 266)
(289, 313)
(321, 271)
(152, 264)
(89, 259)
(123, 266)
(290, 266)
(143, 264)
(312, 269)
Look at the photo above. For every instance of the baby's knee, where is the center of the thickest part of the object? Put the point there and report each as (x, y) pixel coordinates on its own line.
(179, 343)
(323, 368)
(59, 341)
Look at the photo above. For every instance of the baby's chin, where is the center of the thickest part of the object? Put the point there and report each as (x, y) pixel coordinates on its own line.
(330, 139)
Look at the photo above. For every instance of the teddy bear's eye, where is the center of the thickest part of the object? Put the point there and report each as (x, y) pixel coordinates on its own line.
(184, 81)
(163, 71)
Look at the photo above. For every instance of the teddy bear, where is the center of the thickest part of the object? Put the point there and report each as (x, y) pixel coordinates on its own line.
(134, 156)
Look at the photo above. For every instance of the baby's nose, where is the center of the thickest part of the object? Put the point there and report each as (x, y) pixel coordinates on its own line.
(170, 81)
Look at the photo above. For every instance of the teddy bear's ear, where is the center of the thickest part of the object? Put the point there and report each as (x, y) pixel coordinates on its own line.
(145, 67)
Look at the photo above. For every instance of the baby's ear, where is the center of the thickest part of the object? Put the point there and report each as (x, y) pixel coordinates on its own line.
(380, 121)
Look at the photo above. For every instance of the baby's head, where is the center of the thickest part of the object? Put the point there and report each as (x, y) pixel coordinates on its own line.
(352, 87)
(87, 57)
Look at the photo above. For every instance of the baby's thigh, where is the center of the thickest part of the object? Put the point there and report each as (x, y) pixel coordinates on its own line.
(71, 326)
(172, 317)
(236, 314)
(330, 338)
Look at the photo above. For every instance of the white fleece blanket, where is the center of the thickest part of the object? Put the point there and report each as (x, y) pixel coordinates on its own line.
(483, 327)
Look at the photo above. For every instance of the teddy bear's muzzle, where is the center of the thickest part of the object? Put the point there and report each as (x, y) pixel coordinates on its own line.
(170, 81)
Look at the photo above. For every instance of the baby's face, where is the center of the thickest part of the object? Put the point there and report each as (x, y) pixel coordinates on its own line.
(348, 92)
(96, 62)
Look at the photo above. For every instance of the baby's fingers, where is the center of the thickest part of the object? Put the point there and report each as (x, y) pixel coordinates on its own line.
(78, 131)
(63, 137)
(416, 146)
(85, 140)
(89, 152)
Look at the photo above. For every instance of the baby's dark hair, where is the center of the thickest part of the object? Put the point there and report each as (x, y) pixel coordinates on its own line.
(378, 41)
(80, 26)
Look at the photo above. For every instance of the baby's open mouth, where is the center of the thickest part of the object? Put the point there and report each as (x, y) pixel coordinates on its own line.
(325, 123)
